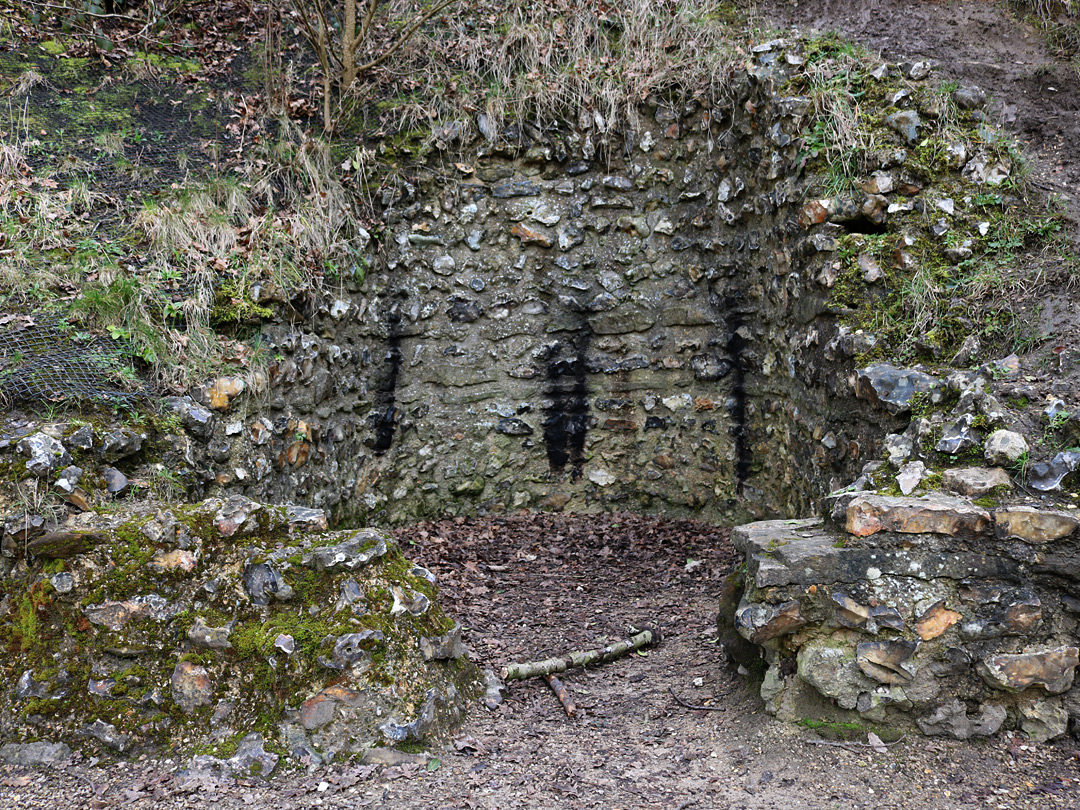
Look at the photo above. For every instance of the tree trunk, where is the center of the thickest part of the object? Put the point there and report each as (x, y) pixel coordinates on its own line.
(348, 46)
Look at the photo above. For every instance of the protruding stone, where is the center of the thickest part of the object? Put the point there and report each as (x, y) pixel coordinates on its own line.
(833, 672)
(906, 123)
(1004, 448)
(529, 235)
(353, 553)
(887, 661)
(305, 519)
(353, 647)
(121, 443)
(115, 615)
(34, 754)
(975, 481)
(44, 454)
(494, 689)
(850, 613)
(106, 734)
(1033, 525)
(969, 97)
(1044, 720)
(813, 213)
(202, 635)
(910, 476)
(27, 687)
(252, 759)
(408, 601)
(175, 560)
(19, 528)
(1047, 476)
(191, 686)
(321, 709)
(951, 720)
(115, 481)
(936, 514)
(958, 436)
(760, 622)
(516, 188)
(263, 583)
(898, 449)
(68, 480)
(1019, 612)
(238, 515)
(197, 420)
(62, 545)
(1051, 669)
(443, 648)
(893, 389)
(935, 620)
(512, 426)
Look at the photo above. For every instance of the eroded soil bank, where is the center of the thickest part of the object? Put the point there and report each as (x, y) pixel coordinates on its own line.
(533, 585)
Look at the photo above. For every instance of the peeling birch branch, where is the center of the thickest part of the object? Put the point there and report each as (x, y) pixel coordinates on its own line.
(583, 658)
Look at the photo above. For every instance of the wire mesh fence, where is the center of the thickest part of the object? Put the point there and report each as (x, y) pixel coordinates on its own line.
(44, 358)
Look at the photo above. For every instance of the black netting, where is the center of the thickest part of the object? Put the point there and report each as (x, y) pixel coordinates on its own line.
(117, 137)
(43, 357)
(128, 136)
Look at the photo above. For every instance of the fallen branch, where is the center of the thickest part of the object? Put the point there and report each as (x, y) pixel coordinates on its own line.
(559, 688)
(584, 658)
(686, 705)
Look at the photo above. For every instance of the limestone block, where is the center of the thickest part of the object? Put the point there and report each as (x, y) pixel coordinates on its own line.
(1033, 525)
(952, 720)
(975, 481)
(1051, 669)
(1004, 448)
(1044, 720)
(758, 623)
(932, 514)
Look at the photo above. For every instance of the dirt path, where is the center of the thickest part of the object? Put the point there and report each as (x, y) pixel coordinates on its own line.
(532, 585)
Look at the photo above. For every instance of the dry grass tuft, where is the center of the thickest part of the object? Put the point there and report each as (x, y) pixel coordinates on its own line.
(541, 63)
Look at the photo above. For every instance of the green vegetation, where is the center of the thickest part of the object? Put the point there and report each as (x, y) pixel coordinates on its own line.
(958, 258)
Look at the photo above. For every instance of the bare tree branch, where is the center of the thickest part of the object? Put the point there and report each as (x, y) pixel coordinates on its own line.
(405, 36)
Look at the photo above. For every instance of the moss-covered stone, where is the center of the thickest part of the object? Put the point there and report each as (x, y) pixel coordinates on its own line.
(108, 649)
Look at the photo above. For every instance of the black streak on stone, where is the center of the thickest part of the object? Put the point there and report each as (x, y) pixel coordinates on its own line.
(735, 349)
(567, 418)
(384, 418)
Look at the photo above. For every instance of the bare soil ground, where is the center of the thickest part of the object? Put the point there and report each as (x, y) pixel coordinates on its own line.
(528, 586)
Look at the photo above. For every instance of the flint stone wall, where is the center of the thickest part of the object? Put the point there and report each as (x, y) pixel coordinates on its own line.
(928, 611)
(551, 326)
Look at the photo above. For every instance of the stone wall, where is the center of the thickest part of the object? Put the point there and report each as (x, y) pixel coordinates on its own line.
(928, 611)
(221, 626)
(554, 325)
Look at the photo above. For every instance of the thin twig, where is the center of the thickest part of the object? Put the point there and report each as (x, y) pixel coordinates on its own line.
(559, 688)
(38, 3)
(686, 705)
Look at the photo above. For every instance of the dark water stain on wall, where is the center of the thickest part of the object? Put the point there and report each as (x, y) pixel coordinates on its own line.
(385, 416)
(736, 347)
(566, 419)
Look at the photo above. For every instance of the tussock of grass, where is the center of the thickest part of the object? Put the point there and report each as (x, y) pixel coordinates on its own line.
(542, 63)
